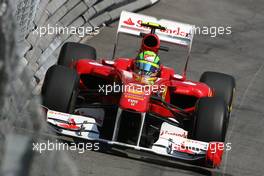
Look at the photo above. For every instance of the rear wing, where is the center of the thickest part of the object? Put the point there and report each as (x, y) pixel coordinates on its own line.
(175, 33)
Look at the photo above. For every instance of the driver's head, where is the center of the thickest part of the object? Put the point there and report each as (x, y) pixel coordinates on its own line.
(147, 63)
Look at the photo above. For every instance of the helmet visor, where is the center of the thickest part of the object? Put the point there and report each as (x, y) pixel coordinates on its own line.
(146, 68)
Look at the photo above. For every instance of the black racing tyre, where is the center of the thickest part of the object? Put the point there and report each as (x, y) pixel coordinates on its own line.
(73, 51)
(60, 88)
(223, 84)
(210, 122)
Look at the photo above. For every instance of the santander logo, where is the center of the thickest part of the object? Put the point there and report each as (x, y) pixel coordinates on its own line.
(166, 132)
(129, 22)
(177, 31)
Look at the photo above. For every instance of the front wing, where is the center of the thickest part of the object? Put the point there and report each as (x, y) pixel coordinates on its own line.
(172, 141)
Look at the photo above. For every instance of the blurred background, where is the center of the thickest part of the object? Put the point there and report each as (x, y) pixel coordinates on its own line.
(25, 58)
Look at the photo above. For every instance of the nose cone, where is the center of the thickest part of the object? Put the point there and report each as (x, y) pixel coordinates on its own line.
(135, 97)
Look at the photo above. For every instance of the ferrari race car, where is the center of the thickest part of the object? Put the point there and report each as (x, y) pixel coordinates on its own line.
(106, 100)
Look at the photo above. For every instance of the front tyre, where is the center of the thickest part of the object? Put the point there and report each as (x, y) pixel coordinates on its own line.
(71, 52)
(60, 88)
(210, 120)
(211, 117)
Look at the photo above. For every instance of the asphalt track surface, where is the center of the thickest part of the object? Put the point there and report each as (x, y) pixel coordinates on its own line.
(239, 54)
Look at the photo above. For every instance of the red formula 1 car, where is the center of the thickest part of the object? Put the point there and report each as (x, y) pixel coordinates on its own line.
(107, 101)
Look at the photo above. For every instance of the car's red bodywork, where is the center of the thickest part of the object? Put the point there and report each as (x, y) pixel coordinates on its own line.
(121, 67)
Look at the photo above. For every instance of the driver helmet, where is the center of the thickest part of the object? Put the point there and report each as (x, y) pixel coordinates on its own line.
(147, 63)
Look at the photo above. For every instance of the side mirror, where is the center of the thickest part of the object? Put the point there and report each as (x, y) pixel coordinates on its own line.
(108, 62)
(177, 77)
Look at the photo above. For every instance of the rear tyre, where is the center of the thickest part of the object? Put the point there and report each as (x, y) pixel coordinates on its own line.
(223, 84)
(71, 52)
(60, 88)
